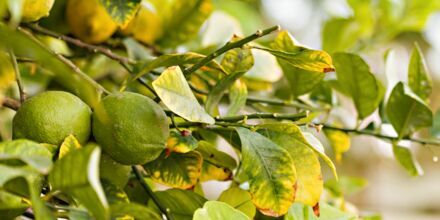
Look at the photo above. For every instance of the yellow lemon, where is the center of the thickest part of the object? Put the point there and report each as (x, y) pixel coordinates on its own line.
(145, 26)
(33, 10)
(89, 21)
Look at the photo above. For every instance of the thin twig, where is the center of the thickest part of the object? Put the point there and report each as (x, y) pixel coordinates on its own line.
(150, 192)
(90, 47)
(229, 46)
(283, 103)
(17, 76)
(66, 61)
(382, 136)
(258, 115)
(10, 103)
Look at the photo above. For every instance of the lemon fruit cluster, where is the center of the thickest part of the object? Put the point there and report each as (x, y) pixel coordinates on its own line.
(33, 10)
(133, 130)
(89, 20)
(52, 116)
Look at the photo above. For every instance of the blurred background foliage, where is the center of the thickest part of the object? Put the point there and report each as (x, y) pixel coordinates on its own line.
(383, 32)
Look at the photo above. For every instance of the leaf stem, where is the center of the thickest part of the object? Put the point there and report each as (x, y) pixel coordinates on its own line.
(90, 47)
(17, 76)
(150, 192)
(228, 46)
(382, 136)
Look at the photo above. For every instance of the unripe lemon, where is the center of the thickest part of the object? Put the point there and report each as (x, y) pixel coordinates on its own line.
(146, 26)
(52, 116)
(113, 171)
(134, 129)
(33, 10)
(89, 21)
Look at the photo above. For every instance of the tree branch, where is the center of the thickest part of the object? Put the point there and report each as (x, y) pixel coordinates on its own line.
(382, 136)
(10, 103)
(92, 48)
(229, 46)
(150, 192)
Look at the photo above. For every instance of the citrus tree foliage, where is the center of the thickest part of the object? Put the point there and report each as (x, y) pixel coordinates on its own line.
(174, 76)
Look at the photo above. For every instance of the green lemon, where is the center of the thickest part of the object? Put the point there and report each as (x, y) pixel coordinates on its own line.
(52, 116)
(133, 130)
(113, 171)
(33, 10)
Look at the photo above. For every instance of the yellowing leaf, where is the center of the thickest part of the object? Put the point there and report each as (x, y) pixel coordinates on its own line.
(340, 142)
(217, 165)
(174, 91)
(299, 56)
(301, 81)
(121, 11)
(271, 173)
(308, 169)
(181, 142)
(176, 170)
(70, 143)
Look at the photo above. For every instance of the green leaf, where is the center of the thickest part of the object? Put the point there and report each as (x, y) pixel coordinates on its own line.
(214, 210)
(174, 91)
(301, 212)
(419, 79)
(301, 81)
(181, 142)
(133, 210)
(77, 174)
(239, 199)
(406, 111)
(356, 80)
(168, 60)
(11, 205)
(121, 11)
(33, 181)
(405, 158)
(271, 173)
(69, 144)
(237, 97)
(299, 56)
(184, 21)
(316, 145)
(76, 81)
(33, 154)
(217, 165)
(345, 186)
(176, 170)
(309, 183)
(339, 141)
(435, 129)
(181, 203)
(236, 62)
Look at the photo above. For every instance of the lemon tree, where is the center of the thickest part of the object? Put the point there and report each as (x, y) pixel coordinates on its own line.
(175, 109)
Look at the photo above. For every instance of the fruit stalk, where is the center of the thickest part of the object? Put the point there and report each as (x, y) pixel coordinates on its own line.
(17, 76)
